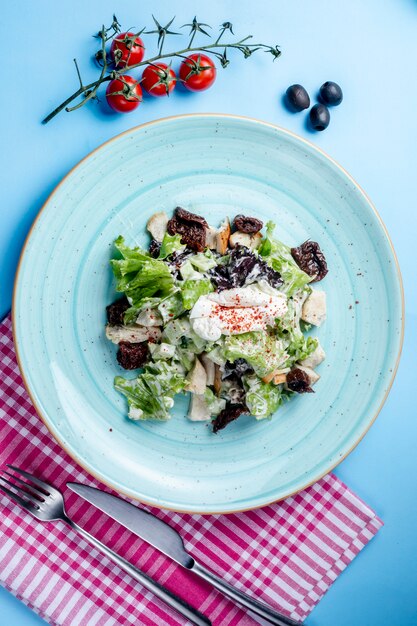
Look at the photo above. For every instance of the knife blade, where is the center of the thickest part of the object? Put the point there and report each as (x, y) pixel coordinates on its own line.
(163, 537)
(148, 527)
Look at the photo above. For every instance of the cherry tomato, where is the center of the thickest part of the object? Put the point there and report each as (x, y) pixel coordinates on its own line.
(158, 79)
(126, 50)
(124, 94)
(197, 72)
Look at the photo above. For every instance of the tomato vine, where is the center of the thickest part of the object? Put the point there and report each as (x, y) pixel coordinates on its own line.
(109, 70)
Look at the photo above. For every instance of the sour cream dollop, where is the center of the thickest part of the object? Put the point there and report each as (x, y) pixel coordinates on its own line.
(236, 311)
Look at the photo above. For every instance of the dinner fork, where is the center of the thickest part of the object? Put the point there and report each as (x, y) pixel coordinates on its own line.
(46, 503)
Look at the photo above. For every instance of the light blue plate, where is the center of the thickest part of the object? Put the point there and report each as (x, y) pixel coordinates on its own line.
(215, 165)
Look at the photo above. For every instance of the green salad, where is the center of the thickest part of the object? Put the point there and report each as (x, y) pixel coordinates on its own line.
(221, 313)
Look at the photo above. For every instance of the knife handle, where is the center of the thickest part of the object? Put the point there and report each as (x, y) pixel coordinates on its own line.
(263, 610)
(160, 592)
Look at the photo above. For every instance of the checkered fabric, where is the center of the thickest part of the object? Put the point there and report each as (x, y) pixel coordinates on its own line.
(286, 554)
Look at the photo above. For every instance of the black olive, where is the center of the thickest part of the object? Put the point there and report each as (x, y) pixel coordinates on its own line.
(297, 98)
(319, 117)
(330, 93)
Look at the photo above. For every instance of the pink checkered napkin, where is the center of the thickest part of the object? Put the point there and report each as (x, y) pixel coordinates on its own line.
(287, 554)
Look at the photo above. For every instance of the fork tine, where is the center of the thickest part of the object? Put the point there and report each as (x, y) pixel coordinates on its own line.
(24, 494)
(37, 481)
(32, 488)
(24, 503)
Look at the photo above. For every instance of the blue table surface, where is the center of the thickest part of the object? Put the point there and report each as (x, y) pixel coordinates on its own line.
(370, 48)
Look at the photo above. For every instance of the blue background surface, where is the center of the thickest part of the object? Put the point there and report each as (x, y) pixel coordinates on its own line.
(371, 49)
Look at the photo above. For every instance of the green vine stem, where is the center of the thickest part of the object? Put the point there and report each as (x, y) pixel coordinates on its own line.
(89, 92)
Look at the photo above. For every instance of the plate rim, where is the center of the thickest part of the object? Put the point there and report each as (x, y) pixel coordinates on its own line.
(44, 418)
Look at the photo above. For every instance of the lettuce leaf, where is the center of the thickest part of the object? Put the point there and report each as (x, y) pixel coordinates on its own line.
(292, 317)
(215, 352)
(131, 262)
(185, 356)
(171, 307)
(179, 332)
(279, 257)
(140, 399)
(175, 329)
(263, 350)
(170, 244)
(162, 350)
(191, 290)
(128, 253)
(215, 404)
(197, 344)
(140, 277)
(196, 266)
(150, 395)
(189, 273)
(299, 347)
(170, 376)
(203, 261)
(262, 399)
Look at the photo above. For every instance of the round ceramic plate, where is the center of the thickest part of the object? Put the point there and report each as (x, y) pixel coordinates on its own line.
(214, 165)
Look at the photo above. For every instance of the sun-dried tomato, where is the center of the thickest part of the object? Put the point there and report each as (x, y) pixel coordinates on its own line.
(229, 414)
(131, 356)
(116, 310)
(250, 225)
(191, 227)
(311, 260)
(299, 381)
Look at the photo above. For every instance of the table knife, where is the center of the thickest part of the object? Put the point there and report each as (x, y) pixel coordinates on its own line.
(163, 537)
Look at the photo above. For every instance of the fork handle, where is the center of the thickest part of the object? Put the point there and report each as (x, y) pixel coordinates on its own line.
(261, 609)
(160, 592)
